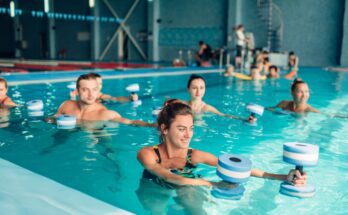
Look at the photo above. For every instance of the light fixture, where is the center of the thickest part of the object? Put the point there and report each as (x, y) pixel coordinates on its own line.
(46, 6)
(12, 9)
(91, 3)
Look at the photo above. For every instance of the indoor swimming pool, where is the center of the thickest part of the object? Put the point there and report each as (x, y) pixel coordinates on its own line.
(101, 162)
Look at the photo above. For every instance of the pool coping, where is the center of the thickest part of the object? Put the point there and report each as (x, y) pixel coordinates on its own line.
(25, 192)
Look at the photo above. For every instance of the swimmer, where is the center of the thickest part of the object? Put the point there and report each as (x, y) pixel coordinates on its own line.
(300, 95)
(229, 72)
(87, 108)
(293, 61)
(105, 97)
(172, 163)
(5, 100)
(196, 89)
(273, 72)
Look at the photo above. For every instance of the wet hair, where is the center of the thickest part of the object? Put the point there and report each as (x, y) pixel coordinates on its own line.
(193, 77)
(201, 42)
(2, 80)
(296, 82)
(273, 67)
(265, 52)
(89, 76)
(94, 74)
(291, 53)
(169, 112)
(171, 101)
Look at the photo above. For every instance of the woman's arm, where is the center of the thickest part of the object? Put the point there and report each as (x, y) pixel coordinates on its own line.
(281, 105)
(293, 177)
(211, 109)
(126, 121)
(147, 158)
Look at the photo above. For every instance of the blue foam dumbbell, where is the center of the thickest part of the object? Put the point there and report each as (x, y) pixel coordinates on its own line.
(35, 108)
(66, 122)
(233, 169)
(301, 155)
(255, 109)
(133, 88)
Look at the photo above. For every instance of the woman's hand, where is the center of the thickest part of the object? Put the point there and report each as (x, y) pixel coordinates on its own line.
(252, 119)
(133, 97)
(295, 178)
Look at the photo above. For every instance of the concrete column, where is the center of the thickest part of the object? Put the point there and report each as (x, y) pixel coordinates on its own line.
(344, 48)
(95, 32)
(52, 34)
(153, 11)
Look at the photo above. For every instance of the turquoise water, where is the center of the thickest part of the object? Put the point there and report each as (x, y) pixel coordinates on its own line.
(102, 163)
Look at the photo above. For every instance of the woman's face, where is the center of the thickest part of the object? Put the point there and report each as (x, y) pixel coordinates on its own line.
(301, 93)
(180, 132)
(3, 90)
(197, 89)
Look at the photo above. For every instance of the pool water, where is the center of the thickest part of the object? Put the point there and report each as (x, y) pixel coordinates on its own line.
(102, 162)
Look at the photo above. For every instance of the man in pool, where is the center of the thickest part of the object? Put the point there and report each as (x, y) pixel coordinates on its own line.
(87, 108)
(105, 97)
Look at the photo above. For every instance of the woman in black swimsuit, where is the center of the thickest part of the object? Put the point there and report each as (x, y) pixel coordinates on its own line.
(171, 163)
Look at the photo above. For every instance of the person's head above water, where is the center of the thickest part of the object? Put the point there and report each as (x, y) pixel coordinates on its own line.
(88, 88)
(196, 86)
(173, 120)
(3, 87)
(299, 91)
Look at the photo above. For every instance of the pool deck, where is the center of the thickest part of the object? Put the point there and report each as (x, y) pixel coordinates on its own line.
(25, 192)
(62, 76)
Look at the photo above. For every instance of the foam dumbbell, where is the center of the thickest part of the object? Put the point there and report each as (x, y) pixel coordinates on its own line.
(232, 169)
(66, 122)
(255, 109)
(35, 108)
(300, 155)
(133, 88)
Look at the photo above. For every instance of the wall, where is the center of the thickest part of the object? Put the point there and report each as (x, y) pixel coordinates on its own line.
(34, 31)
(253, 23)
(6, 35)
(137, 24)
(67, 30)
(313, 29)
(344, 56)
(185, 22)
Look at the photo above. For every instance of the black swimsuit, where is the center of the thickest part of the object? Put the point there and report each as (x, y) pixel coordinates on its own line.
(186, 171)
